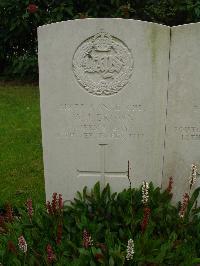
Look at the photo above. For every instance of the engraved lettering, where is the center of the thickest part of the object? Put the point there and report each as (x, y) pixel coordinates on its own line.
(188, 132)
(101, 121)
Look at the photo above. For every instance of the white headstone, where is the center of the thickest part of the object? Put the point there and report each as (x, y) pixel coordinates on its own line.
(183, 114)
(103, 88)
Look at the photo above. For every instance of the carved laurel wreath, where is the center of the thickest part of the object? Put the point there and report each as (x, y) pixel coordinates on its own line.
(103, 87)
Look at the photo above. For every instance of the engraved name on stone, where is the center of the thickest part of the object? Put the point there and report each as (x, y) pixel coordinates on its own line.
(102, 121)
(102, 64)
(188, 132)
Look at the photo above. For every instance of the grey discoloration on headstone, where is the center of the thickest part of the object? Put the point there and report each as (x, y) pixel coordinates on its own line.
(115, 95)
(183, 112)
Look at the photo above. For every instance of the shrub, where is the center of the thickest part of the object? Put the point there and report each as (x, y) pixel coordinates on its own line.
(20, 19)
(96, 227)
(23, 67)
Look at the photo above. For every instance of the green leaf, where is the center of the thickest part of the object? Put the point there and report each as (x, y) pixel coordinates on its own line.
(196, 260)
(84, 251)
(105, 195)
(16, 262)
(193, 200)
(92, 263)
(96, 191)
(79, 195)
(84, 220)
(94, 251)
(111, 261)
(71, 244)
(84, 193)
(69, 11)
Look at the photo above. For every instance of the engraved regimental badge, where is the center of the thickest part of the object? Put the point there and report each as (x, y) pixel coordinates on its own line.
(102, 64)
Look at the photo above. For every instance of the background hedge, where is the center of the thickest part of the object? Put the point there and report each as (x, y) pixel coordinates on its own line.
(20, 19)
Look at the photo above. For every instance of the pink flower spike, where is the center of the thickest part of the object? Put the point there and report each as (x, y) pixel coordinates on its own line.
(22, 244)
(11, 247)
(169, 188)
(145, 221)
(145, 192)
(29, 207)
(51, 257)
(9, 213)
(32, 8)
(60, 201)
(130, 249)
(59, 234)
(193, 175)
(87, 239)
(49, 209)
(184, 205)
(54, 202)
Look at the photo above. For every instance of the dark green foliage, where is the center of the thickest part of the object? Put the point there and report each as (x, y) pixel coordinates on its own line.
(111, 220)
(18, 26)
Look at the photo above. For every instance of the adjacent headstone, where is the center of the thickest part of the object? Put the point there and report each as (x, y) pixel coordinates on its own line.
(103, 88)
(182, 147)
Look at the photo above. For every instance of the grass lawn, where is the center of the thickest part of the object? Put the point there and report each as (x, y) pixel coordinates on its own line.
(21, 166)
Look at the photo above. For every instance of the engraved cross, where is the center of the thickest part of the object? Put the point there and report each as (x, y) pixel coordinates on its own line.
(103, 174)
